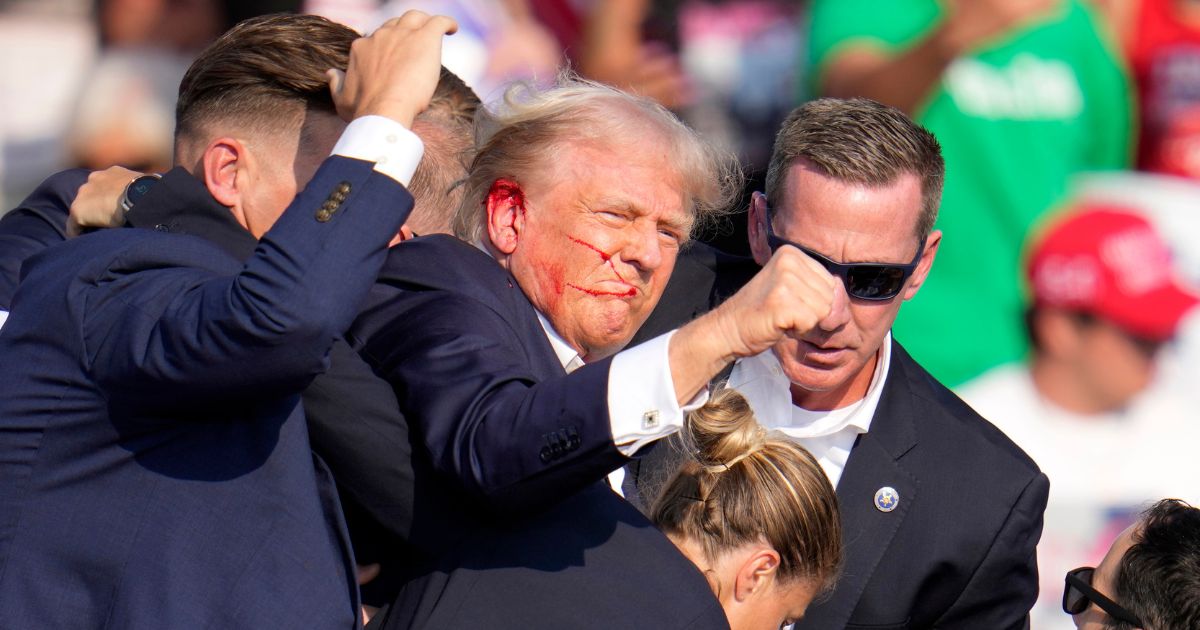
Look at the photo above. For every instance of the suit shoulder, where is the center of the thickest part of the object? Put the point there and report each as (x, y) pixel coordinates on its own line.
(954, 424)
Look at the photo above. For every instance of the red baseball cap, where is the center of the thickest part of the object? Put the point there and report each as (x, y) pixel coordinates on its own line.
(1108, 261)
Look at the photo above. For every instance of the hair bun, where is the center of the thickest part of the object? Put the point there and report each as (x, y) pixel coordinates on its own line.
(724, 432)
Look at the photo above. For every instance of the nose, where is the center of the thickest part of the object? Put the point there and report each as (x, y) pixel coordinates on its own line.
(644, 248)
(839, 313)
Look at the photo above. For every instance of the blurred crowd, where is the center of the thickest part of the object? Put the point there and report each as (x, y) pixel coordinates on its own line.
(1061, 303)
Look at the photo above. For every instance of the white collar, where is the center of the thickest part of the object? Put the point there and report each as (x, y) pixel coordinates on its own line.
(565, 353)
(760, 378)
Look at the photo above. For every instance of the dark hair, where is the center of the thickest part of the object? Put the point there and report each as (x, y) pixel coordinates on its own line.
(262, 70)
(1158, 578)
(743, 484)
(859, 141)
(447, 129)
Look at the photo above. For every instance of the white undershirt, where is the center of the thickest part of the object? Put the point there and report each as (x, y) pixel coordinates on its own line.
(828, 435)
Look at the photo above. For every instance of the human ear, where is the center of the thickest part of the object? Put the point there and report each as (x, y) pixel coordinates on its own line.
(756, 228)
(222, 160)
(756, 574)
(924, 265)
(505, 205)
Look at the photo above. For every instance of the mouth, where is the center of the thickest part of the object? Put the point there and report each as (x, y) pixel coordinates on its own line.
(828, 353)
(609, 289)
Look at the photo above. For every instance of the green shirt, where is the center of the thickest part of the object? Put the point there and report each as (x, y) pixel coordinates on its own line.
(1016, 120)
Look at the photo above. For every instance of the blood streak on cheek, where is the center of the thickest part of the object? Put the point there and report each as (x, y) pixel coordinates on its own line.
(606, 257)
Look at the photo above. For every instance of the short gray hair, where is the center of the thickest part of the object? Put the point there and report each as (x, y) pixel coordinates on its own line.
(531, 125)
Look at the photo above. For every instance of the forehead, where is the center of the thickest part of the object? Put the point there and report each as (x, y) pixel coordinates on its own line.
(848, 221)
(638, 177)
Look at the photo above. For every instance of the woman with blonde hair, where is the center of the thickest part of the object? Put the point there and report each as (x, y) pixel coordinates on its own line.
(754, 511)
(753, 521)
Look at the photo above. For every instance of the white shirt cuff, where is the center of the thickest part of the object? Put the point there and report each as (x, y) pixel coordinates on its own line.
(3, 317)
(393, 148)
(641, 396)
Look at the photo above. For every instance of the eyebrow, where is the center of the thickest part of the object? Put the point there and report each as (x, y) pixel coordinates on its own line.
(684, 225)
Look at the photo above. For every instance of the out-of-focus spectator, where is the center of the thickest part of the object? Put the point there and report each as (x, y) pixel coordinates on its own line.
(743, 60)
(498, 41)
(1161, 39)
(1104, 300)
(1022, 94)
(46, 49)
(126, 111)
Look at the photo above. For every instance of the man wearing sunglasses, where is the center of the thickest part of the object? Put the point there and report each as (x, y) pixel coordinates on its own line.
(1149, 579)
(941, 512)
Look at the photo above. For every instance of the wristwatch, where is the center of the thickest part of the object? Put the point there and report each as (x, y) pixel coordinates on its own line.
(135, 190)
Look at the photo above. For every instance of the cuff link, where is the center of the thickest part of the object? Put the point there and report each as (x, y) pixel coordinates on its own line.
(650, 420)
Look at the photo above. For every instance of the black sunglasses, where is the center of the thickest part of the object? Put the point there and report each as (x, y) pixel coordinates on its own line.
(1079, 592)
(864, 281)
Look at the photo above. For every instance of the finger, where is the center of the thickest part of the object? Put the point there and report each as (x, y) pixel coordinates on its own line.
(442, 24)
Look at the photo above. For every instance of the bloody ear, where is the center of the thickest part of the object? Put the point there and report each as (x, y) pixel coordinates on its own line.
(505, 206)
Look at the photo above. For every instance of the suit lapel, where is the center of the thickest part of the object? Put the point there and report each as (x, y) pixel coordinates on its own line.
(874, 463)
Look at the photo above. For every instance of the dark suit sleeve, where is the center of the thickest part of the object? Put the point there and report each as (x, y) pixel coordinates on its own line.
(1005, 586)
(35, 224)
(355, 425)
(161, 332)
(464, 380)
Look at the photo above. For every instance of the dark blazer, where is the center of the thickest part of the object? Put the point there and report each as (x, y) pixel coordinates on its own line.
(958, 551)
(590, 562)
(35, 224)
(158, 468)
(495, 420)
(354, 423)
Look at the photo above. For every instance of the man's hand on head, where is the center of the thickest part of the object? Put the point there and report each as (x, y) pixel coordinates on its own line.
(98, 203)
(394, 71)
(789, 297)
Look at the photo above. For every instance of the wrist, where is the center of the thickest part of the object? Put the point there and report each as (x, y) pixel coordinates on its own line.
(398, 112)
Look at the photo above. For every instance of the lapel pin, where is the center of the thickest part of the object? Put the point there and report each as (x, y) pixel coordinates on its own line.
(886, 499)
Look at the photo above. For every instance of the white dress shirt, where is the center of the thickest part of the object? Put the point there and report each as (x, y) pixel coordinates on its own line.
(393, 148)
(641, 393)
(828, 435)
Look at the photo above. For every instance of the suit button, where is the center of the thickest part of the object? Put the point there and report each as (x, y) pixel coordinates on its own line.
(162, 227)
(324, 215)
(343, 187)
(545, 455)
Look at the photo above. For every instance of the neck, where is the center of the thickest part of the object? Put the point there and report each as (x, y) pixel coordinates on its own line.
(1056, 382)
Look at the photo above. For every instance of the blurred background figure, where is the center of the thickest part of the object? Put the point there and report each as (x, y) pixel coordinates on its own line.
(498, 41)
(1022, 94)
(1161, 39)
(92, 82)
(1087, 407)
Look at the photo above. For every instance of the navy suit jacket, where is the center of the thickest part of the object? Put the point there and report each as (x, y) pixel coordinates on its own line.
(959, 549)
(157, 468)
(495, 421)
(591, 562)
(354, 423)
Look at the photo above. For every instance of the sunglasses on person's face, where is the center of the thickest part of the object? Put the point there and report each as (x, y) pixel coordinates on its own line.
(1079, 593)
(864, 281)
